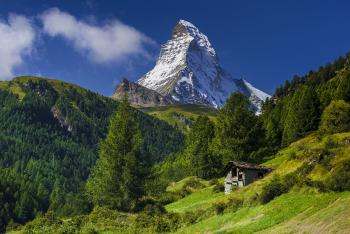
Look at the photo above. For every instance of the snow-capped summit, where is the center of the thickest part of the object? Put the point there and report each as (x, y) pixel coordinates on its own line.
(188, 71)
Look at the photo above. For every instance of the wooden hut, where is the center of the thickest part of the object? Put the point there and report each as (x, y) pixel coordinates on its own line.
(242, 173)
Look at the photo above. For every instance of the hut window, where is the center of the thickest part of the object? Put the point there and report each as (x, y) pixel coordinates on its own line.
(260, 175)
(240, 176)
(234, 171)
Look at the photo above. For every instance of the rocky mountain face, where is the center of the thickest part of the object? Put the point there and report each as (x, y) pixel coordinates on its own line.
(139, 95)
(188, 71)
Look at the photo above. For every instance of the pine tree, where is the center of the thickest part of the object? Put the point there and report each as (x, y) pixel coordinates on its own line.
(238, 132)
(303, 114)
(116, 180)
(199, 140)
(343, 89)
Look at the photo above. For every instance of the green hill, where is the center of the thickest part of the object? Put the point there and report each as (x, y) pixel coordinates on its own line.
(49, 136)
(180, 116)
(309, 203)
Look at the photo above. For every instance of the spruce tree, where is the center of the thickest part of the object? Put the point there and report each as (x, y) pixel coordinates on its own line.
(238, 131)
(116, 180)
(199, 140)
(302, 116)
(343, 89)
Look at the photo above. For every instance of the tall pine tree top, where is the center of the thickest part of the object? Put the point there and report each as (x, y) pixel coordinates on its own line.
(116, 180)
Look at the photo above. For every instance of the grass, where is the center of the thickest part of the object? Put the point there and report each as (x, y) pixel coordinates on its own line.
(279, 215)
(181, 115)
(177, 186)
(14, 85)
(302, 210)
(197, 200)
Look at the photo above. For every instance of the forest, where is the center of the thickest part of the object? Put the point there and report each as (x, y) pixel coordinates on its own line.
(68, 151)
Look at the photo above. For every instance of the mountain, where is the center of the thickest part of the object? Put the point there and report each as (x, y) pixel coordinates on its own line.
(188, 71)
(139, 95)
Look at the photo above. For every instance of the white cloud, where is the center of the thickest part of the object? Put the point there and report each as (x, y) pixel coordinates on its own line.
(110, 42)
(16, 40)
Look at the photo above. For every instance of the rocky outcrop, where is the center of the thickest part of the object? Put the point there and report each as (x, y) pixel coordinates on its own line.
(139, 95)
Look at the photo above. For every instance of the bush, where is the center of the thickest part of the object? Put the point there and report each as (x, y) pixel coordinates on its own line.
(233, 204)
(219, 208)
(335, 117)
(274, 189)
(330, 143)
(219, 188)
(147, 203)
(193, 184)
(190, 186)
(339, 179)
(154, 209)
(169, 197)
(213, 182)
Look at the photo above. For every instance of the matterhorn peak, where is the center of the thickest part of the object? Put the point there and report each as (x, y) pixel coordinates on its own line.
(188, 71)
(184, 29)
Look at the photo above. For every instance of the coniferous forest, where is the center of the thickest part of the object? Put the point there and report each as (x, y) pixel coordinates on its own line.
(66, 151)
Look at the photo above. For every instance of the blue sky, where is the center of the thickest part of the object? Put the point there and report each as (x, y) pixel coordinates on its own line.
(264, 42)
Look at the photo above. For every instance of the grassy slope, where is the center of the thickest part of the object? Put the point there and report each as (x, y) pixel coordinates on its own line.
(14, 85)
(180, 115)
(300, 210)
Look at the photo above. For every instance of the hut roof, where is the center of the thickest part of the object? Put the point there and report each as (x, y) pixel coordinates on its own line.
(245, 165)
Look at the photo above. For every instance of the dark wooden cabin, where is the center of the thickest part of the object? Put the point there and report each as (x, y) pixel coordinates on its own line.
(242, 173)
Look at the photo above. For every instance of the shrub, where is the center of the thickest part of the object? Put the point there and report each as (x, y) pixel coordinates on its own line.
(154, 209)
(88, 230)
(335, 117)
(169, 197)
(219, 208)
(190, 217)
(330, 143)
(233, 204)
(339, 179)
(193, 183)
(292, 155)
(148, 203)
(219, 188)
(213, 182)
(274, 189)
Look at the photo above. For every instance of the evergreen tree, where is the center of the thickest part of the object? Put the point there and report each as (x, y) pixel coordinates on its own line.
(238, 131)
(199, 140)
(302, 116)
(336, 117)
(271, 116)
(343, 89)
(117, 180)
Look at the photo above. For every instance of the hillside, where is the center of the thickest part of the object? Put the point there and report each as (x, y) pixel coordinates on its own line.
(307, 207)
(180, 116)
(312, 201)
(49, 137)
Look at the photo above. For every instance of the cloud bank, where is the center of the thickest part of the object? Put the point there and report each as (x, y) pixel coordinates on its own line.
(110, 42)
(16, 40)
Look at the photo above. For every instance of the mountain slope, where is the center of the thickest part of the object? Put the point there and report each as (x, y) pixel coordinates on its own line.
(310, 206)
(305, 208)
(180, 116)
(188, 71)
(49, 136)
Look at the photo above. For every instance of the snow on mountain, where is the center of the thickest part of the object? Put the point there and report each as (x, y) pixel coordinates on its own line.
(188, 71)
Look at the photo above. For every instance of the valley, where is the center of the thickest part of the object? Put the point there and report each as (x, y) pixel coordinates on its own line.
(173, 142)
